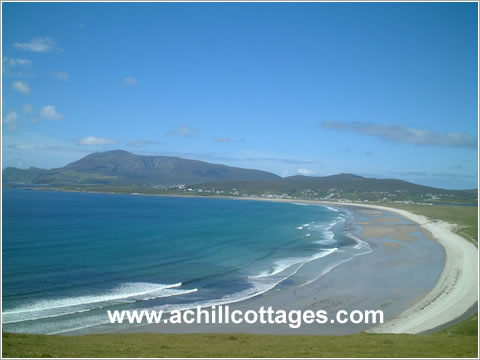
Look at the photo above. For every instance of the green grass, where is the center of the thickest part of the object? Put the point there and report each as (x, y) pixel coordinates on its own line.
(460, 340)
(467, 327)
(239, 345)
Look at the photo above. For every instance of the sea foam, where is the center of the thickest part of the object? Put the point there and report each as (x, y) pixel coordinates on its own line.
(123, 294)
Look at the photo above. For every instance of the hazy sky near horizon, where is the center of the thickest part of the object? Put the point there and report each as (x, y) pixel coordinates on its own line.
(377, 89)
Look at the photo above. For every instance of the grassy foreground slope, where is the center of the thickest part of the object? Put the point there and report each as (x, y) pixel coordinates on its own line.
(240, 345)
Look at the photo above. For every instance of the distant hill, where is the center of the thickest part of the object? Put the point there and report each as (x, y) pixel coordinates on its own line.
(123, 168)
(115, 168)
(342, 182)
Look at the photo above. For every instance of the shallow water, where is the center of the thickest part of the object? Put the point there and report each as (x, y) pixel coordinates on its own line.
(69, 257)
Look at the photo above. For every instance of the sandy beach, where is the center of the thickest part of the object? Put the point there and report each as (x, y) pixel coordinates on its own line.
(455, 292)
(454, 295)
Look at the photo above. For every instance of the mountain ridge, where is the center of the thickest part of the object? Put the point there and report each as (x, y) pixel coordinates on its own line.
(120, 167)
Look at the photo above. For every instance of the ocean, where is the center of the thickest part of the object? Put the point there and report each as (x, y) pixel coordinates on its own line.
(70, 257)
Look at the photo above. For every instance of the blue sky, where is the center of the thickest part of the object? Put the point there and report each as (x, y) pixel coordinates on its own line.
(376, 89)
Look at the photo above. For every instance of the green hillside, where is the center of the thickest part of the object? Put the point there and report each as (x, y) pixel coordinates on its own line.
(120, 167)
(121, 171)
(24, 176)
(442, 345)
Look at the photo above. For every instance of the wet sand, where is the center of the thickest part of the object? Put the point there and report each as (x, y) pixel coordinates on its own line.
(455, 293)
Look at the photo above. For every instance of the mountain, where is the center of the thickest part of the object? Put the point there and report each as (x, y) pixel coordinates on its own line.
(120, 167)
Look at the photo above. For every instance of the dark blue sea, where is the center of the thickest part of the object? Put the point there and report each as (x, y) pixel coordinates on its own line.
(70, 257)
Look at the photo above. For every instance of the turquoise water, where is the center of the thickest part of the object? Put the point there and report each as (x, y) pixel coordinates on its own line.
(69, 257)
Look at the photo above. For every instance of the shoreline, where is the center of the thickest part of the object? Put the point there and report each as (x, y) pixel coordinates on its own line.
(455, 292)
(379, 279)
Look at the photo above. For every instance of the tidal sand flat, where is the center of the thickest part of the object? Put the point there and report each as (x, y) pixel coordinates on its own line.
(455, 292)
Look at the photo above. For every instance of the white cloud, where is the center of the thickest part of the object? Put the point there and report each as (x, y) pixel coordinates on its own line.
(21, 87)
(39, 44)
(305, 172)
(222, 140)
(62, 75)
(15, 62)
(11, 120)
(49, 112)
(401, 134)
(93, 140)
(183, 130)
(28, 108)
(130, 81)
